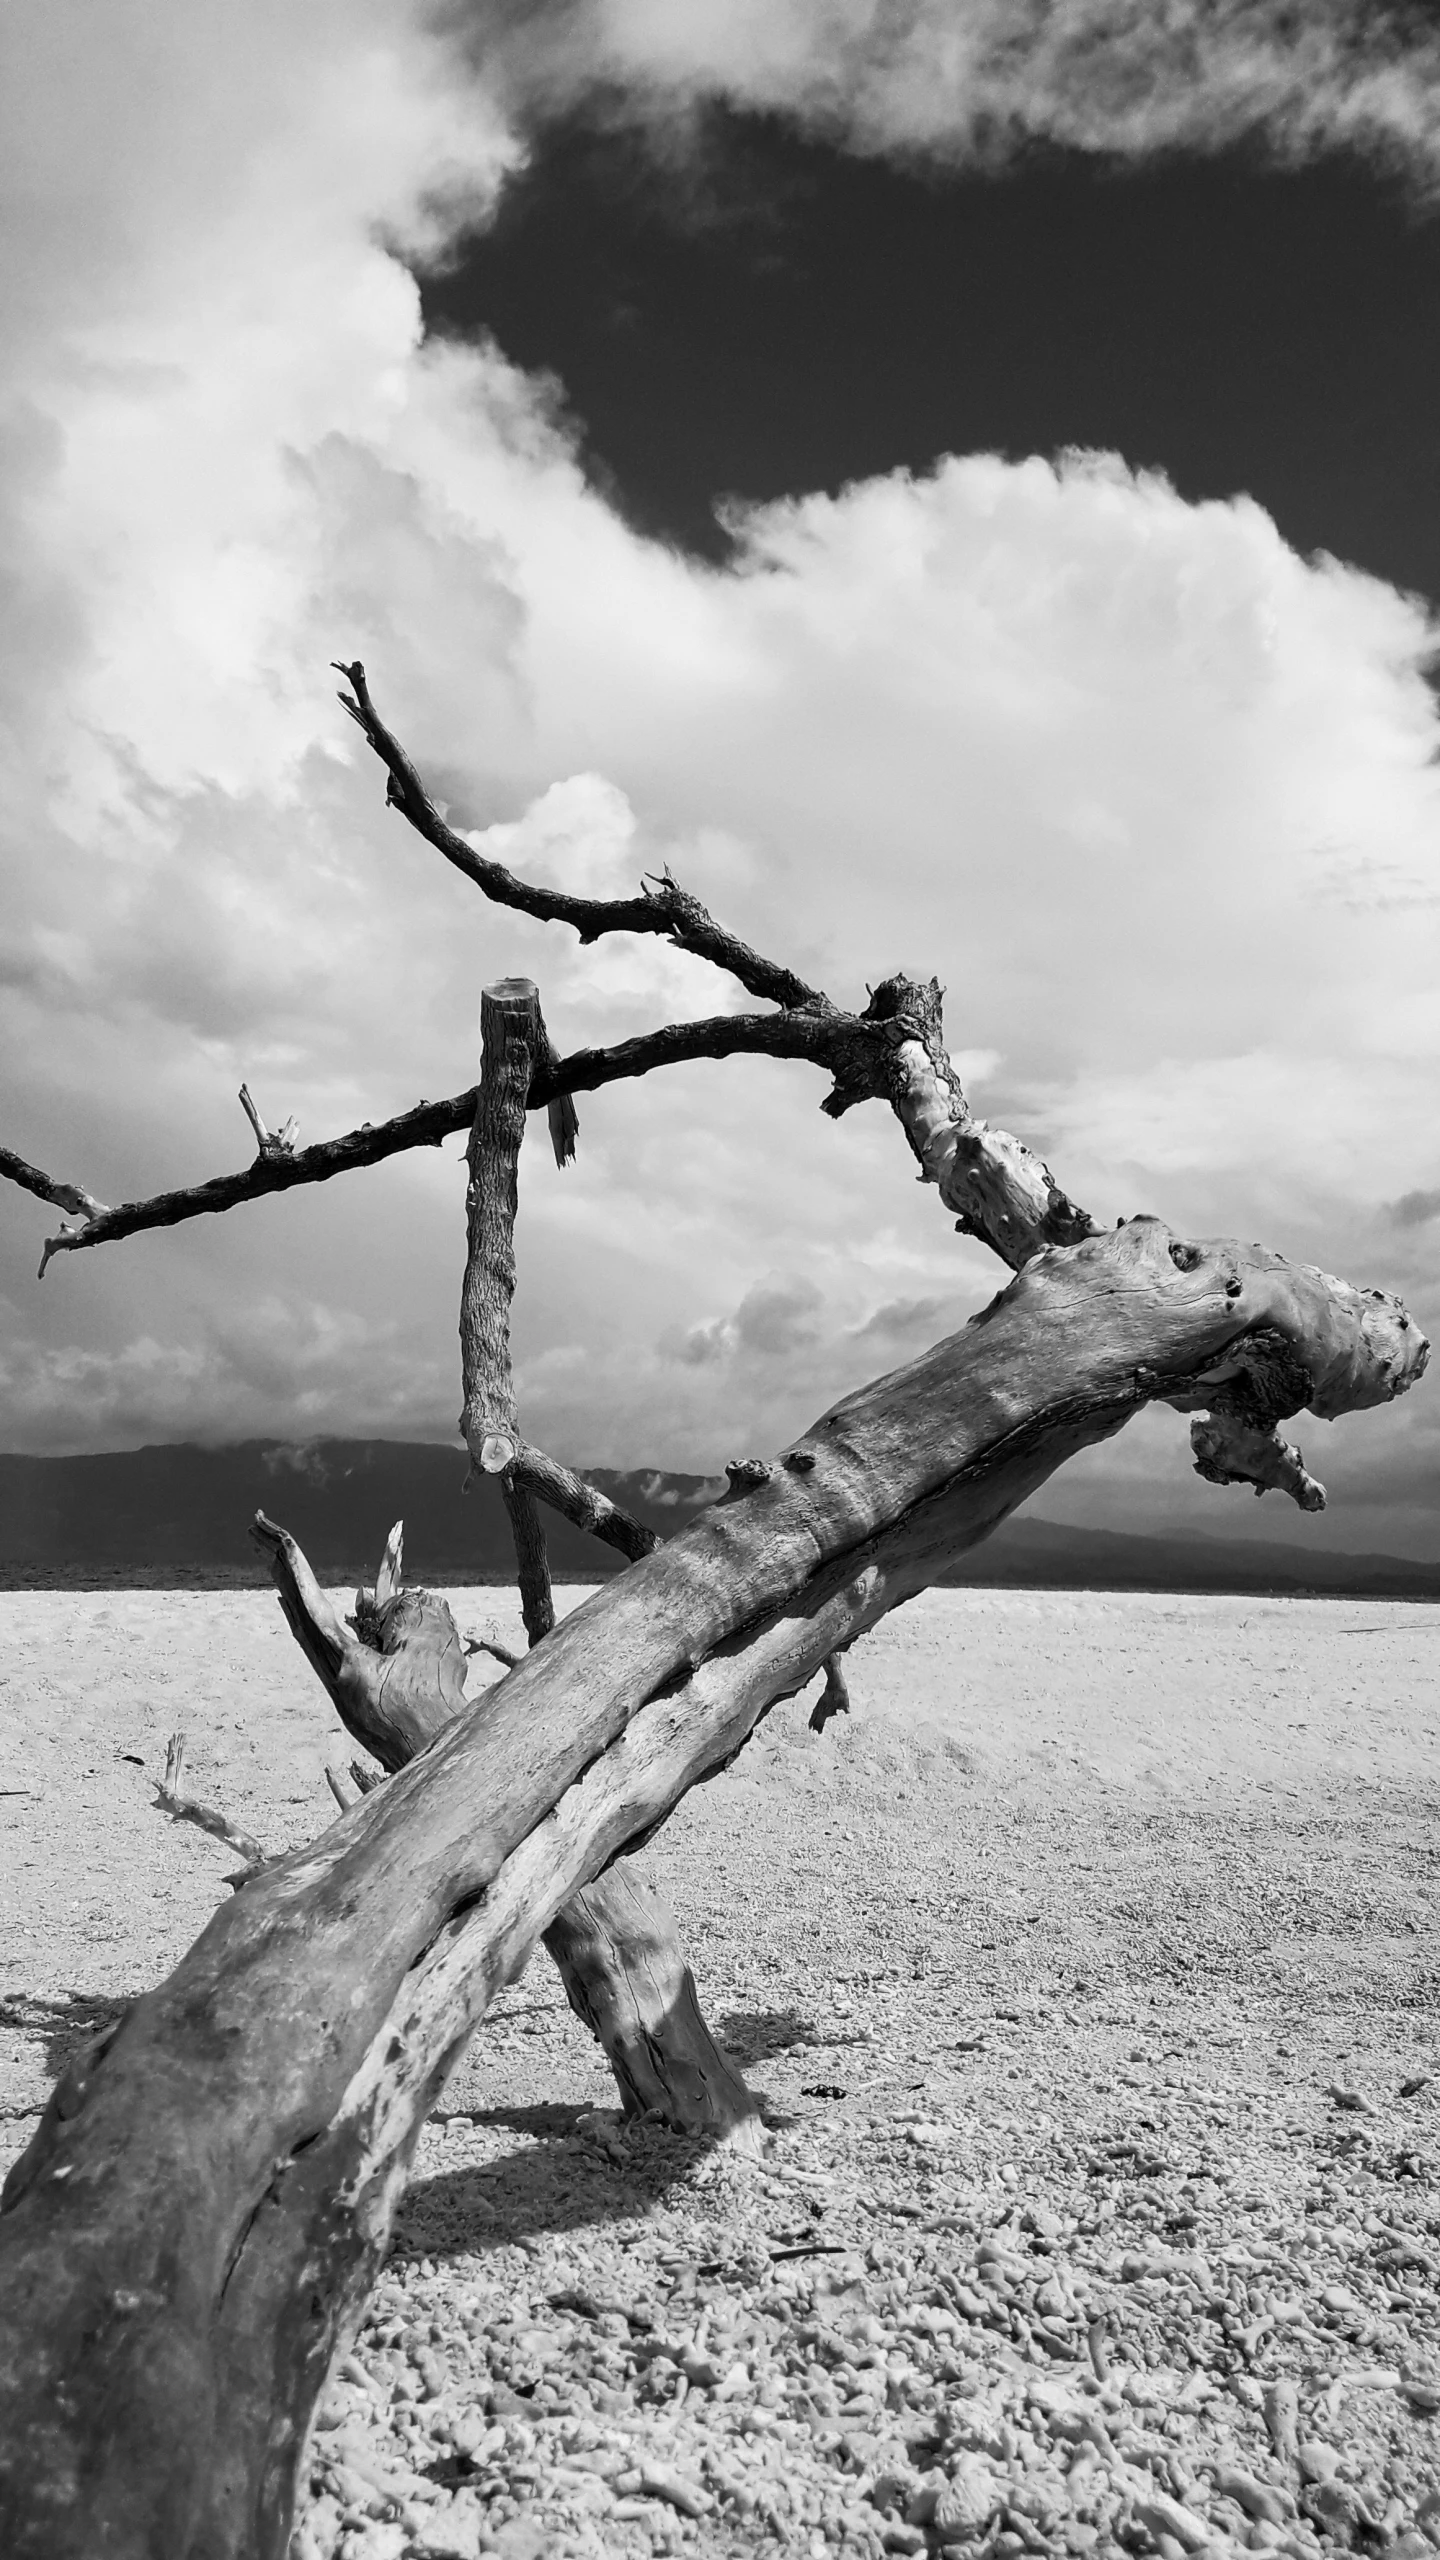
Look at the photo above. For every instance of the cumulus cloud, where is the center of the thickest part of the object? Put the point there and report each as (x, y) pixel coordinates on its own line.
(1156, 798)
(976, 80)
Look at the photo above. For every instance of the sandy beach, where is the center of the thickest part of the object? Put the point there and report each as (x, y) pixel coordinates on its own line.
(1060, 1948)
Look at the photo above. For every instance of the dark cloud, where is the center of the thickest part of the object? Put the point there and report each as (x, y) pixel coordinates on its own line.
(1414, 1208)
(907, 1315)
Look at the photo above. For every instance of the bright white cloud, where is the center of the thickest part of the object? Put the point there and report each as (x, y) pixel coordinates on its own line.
(975, 79)
(1155, 798)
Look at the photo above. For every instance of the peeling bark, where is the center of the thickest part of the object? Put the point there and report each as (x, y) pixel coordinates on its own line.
(195, 2225)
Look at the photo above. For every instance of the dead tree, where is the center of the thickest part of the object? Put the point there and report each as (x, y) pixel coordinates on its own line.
(193, 2230)
(399, 1678)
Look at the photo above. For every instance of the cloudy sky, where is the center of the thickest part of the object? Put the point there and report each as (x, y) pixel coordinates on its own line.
(957, 480)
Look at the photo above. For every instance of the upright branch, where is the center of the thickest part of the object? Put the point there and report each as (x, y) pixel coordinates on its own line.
(616, 1944)
(513, 1035)
(510, 1036)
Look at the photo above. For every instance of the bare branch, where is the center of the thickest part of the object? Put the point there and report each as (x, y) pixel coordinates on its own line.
(825, 1039)
(581, 1502)
(172, 1797)
(63, 1195)
(662, 906)
(426, 1125)
(997, 1189)
(497, 1651)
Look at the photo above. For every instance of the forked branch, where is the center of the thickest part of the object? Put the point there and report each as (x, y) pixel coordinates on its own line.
(994, 1186)
(661, 908)
(837, 1041)
(172, 1796)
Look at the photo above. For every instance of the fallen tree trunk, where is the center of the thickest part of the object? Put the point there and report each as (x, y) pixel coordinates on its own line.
(194, 2228)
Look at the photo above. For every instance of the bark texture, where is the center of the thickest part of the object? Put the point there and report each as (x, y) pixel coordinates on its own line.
(616, 1945)
(396, 1677)
(618, 1951)
(195, 2225)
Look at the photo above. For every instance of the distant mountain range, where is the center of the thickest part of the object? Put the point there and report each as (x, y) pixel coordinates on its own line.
(179, 1515)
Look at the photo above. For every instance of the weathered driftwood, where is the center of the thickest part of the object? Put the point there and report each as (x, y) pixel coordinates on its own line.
(396, 1680)
(617, 1946)
(397, 1676)
(198, 2218)
(195, 2225)
(893, 1051)
(173, 1796)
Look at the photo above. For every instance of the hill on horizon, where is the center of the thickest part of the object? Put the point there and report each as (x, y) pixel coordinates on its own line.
(183, 1512)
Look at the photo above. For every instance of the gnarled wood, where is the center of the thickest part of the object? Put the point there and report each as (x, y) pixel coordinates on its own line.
(618, 1949)
(397, 1681)
(396, 1677)
(195, 2224)
(996, 1186)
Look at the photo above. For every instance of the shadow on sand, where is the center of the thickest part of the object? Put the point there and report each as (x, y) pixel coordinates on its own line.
(64, 2025)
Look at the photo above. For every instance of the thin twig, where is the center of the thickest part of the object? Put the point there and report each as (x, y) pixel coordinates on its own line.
(362, 1779)
(497, 1651)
